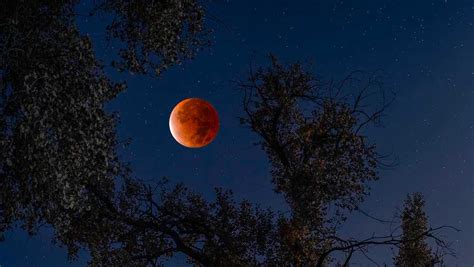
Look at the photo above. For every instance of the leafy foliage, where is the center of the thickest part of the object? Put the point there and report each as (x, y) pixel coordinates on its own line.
(157, 34)
(56, 136)
(415, 251)
(58, 161)
(312, 140)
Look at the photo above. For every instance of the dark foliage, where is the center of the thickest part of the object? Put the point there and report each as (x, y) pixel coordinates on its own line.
(56, 137)
(157, 34)
(58, 162)
(415, 251)
(312, 140)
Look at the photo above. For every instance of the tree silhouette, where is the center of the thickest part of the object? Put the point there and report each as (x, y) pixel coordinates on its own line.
(157, 34)
(56, 136)
(59, 166)
(415, 251)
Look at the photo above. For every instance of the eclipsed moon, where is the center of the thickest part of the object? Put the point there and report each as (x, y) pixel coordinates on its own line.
(194, 123)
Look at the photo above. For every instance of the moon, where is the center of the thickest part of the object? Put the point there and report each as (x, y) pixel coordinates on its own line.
(194, 123)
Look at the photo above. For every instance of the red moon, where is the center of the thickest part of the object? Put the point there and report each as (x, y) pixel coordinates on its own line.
(194, 123)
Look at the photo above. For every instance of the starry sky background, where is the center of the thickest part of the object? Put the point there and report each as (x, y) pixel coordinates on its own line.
(425, 50)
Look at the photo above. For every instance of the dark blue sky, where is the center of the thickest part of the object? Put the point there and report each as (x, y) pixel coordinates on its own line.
(426, 52)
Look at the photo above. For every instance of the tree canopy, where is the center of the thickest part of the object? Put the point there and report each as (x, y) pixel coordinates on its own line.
(58, 147)
(415, 251)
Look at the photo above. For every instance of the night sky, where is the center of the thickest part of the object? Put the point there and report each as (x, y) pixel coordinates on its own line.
(425, 50)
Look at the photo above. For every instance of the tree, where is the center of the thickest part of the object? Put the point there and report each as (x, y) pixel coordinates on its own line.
(59, 166)
(56, 138)
(157, 34)
(318, 157)
(415, 251)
